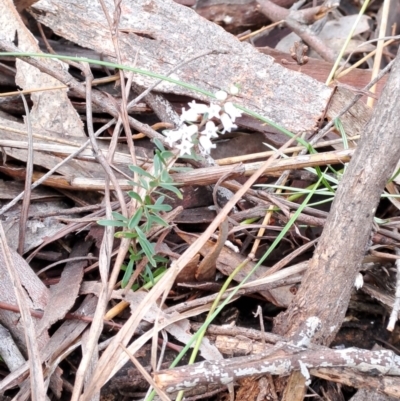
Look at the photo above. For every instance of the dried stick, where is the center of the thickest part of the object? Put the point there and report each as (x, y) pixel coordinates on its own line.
(281, 359)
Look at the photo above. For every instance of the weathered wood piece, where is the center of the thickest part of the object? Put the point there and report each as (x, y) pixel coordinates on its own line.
(173, 34)
(278, 360)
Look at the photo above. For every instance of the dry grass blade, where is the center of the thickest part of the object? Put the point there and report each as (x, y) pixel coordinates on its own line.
(36, 374)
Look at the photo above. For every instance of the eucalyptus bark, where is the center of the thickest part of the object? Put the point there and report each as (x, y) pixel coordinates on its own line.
(328, 283)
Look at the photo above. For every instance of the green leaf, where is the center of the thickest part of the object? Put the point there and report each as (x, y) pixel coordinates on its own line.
(127, 274)
(159, 144)
(164, 208)
(136, 196)
(147, 225)
(147, 246)
(159, 156)
(155, 219)
(111, 223)
(144, 184)
(166, 154)
(158, 167)
(154, 184)
(163, 194)
(135, 219)
(160, 270)
(172, 188)
(135, 257)
(160, 200)
(140, 171)
(165, 177)
(147, 200)
(119, 216)
(148, 274)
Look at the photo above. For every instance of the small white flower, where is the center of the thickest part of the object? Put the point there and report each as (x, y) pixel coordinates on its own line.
(189, 115)
(173, 136)
(206, 144)
(188, 131)
(234, 90)
(210, 130)
(221, 95)
(198, 108)
(194, 111)
(213, 111)
(227, 123)
(184, 147)
(232, 111)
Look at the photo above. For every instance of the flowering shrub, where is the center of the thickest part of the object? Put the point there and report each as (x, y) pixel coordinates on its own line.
(188, 133)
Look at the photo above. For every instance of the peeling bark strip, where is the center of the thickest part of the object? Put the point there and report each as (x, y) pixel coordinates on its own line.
(328, 282)
(280, 360)
(174, 34)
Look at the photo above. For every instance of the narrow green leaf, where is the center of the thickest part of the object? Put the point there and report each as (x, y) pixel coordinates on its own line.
(136, 256)
(158, 220)
(111, 223)
(166, 154)
(136, 196)
(160, 200)
(147, 200)
(146, 246)
(163, 194)
(148, 274)
(144, 184)
(159, 144)
(173, 189)
(135, 219)
(140, 171)
(148, 217)
(127, 274)
(119, 216)
(164, 208)
(165, 177)
(158, 167)
(160, 270)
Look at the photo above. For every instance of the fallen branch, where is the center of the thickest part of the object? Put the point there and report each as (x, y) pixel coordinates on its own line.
(282, 359)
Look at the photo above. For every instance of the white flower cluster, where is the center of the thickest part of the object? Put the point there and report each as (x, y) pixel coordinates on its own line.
(187, 135)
